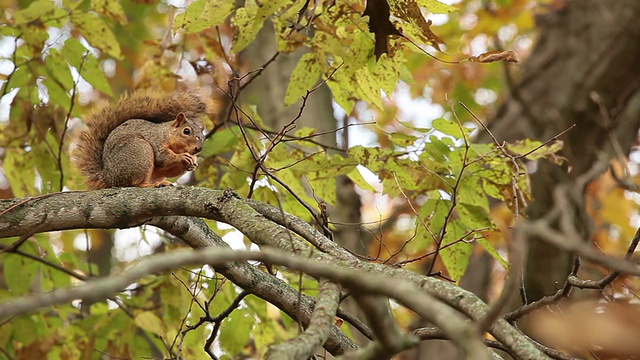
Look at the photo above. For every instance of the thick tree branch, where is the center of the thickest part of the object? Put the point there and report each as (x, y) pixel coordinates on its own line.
(132, 206)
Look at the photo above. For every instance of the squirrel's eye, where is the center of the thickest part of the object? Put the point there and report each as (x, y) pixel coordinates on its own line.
(186, 131)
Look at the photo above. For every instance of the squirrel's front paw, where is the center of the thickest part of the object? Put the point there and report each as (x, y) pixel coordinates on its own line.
(191, 161)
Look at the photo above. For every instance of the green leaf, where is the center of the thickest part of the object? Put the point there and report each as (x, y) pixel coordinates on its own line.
(19, 273)
(342, 90)
(97, 33)
(329, 166)
(19, 168)
(58, 68)
(34, 38)
(57, 94)
(243, 20)
(361, 49)
(429, 222)
(493, 190)
(26, 328)
(257, 306)
(264, 335)
(46, 163)
(20, 77)
(74, 52)
(106, 326)
(493, 252)
(204, 14)
(250, 19)
(224, 295)
(150, 322)
(470, 192)
(402, 140)
(305, 132)
(58, 278)
(78, 56)
(222, 141)
(303, 78)
(368, 88)
(449, 127)
(456, 256)
(499, 171)
(369, 156)
(38, 10)
(413, 25)
(534, 150)
(71, 4)
(323, 187)
(110, 8)
(235, 331)
(387, 72)
(288, 41)
(356, 176)
(474, 217)
(437, 149)
(411, 126)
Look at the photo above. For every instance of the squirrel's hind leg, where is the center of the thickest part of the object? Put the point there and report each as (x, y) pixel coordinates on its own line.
(162, 183)
(130, 162)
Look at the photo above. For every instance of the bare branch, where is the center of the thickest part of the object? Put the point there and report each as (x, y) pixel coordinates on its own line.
(517, 259)
(390, 339)
(541, 229)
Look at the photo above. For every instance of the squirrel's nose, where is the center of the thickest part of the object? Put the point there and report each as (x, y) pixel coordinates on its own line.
(197, 149)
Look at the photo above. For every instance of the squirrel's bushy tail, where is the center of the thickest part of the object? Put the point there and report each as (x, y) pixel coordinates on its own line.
(137, 105)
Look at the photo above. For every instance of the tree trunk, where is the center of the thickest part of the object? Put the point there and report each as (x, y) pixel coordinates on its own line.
(584, 71)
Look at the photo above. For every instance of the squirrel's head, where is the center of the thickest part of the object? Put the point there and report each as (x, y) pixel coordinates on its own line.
(190, 137)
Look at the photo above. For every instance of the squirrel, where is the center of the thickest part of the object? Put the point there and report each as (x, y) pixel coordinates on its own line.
(141, 140)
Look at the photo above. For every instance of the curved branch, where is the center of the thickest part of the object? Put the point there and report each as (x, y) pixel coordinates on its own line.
(390, 338)
(322, 319)
(302, 228)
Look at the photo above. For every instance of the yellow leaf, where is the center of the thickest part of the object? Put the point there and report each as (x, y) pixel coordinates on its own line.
(110, 8)
(97, 33)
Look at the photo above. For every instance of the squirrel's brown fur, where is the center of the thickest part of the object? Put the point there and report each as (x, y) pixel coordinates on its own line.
(141, 140)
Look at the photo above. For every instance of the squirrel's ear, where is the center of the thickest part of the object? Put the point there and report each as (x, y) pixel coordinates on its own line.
(180, 120)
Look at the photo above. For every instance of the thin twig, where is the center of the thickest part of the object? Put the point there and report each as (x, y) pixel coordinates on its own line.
(454, 192)
(67, 118)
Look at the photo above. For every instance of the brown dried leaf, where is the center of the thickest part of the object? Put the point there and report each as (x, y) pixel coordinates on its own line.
(416, 25)
(495, 56)
(609, 330)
